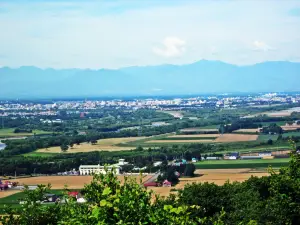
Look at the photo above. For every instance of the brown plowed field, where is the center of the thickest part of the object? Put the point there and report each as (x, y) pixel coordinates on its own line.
(217, 176)
(236, 138)
(73, 182)
(7, 193)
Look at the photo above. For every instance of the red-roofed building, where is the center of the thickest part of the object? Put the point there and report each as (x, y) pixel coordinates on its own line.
(74, 194)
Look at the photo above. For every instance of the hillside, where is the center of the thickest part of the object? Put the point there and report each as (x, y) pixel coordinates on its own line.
(199, 77)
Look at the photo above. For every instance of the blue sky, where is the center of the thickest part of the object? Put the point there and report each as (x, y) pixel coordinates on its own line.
(119, 33)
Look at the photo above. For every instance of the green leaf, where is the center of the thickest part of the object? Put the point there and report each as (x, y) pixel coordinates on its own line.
(106, 191)
(103, 203)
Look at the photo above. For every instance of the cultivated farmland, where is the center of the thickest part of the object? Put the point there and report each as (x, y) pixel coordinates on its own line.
(217, 176)
(205, 138)
(247, 130)
(73, 182)
(109, 144)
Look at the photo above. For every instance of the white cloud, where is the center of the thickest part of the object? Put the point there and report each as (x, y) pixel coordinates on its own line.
(261, 46)
(172, 47)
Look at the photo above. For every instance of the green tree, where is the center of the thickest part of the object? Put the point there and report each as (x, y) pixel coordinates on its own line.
(64, 147)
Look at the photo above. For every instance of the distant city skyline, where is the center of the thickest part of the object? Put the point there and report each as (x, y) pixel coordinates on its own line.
(116, 34)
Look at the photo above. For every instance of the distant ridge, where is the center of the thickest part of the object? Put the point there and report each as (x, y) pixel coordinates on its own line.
(203, 76)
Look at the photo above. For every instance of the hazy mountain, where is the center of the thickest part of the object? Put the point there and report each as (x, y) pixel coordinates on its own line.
(200, 77)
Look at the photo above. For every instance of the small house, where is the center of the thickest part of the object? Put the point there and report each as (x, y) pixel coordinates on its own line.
(50, 198)
(74, 194)
(233, 156)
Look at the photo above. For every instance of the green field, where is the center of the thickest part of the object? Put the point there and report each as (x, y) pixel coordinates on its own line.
(290, 134)
(265, 137)
(39, 154)
(279, 123)
(14, 200)
(239, 164)
(210, 127)
(9, 132)
(188, 138)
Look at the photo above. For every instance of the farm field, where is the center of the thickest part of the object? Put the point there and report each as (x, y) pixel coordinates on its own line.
(217, 176)
(109, 144)
(73, 182)
(199, 129)
(175, 114)
(275, 149)
(246, 130)
(9, 132)
(288, 128)
(231, 164)
(290, 134)
(265, 137)
(282, 113)
(205, 138)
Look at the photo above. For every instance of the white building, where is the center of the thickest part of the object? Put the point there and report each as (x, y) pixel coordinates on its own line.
(97, 169)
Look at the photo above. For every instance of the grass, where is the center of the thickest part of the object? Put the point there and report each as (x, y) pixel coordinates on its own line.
(279, 123)
(9, 132)
(265, 137)
(14, 199)
(210, 127)
(235, 164)
(258, 149)
(290, 134)
(39, 154)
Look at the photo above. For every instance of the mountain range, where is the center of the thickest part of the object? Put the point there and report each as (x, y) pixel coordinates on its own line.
(200, 77)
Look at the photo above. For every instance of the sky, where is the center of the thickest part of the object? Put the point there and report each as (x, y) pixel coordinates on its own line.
(121, 33)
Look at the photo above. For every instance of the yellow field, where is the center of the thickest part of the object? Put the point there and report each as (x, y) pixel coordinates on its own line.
(247, 130)
(293, 127)
(108, 144)
(236, 138)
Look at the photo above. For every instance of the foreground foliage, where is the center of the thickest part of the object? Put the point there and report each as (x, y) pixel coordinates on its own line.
(267, 200)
